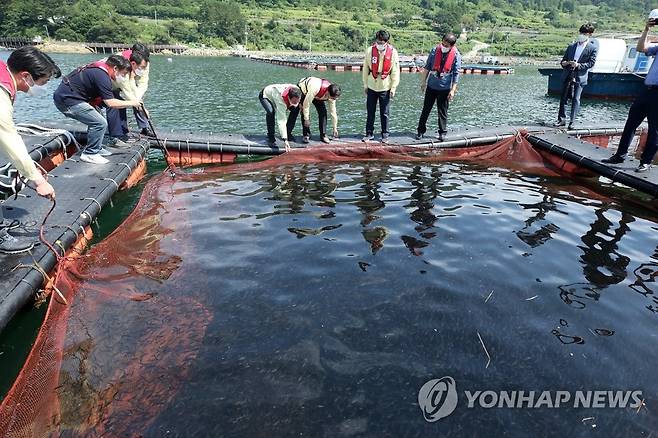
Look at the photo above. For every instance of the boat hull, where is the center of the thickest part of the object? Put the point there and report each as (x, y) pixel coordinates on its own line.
(600, 85)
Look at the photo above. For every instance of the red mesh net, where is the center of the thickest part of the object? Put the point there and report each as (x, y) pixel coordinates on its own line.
(140, 363)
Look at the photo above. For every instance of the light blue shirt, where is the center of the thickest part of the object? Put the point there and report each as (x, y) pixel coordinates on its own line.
(579, 50)
(652, 75)
(437, 82)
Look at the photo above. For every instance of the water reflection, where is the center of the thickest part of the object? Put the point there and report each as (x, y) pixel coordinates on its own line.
(341, 324)
(645, 281)
(603, 265)
(536, 231)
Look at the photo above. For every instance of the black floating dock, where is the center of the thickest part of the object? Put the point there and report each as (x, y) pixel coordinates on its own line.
(82, 190)
(589, 156)
(180, 142)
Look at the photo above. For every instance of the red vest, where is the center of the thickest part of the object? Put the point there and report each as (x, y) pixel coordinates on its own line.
(284, 95)
(388, 61)
(323, 89)
(127, 54)
(97, 101)
(7, 81)
(102, 65)
(438, 57)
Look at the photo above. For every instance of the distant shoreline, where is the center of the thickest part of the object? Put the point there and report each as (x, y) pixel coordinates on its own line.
(69, 47)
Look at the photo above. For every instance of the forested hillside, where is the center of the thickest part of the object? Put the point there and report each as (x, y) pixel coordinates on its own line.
(513, 27)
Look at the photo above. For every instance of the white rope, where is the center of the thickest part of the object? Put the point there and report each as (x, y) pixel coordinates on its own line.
(42, 131)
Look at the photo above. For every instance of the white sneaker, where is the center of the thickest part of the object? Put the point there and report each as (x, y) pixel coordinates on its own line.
(104, 152)
(93, 158)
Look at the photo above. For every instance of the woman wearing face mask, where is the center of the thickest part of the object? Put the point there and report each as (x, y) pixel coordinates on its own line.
(81, 94)
(576, 62)
(438, 81)
(26, 70)
(381, 76)
(133, 88)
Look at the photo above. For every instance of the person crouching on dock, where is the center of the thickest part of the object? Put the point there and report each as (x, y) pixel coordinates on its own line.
(277, 99)
(81, 94)
(132, 89)
(27, 70)
(318, 91)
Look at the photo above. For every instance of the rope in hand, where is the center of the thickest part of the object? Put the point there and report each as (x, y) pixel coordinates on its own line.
(163, 146)
(42, 238)
(58, 258)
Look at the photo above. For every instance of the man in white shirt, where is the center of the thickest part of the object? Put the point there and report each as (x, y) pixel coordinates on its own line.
(27, 70)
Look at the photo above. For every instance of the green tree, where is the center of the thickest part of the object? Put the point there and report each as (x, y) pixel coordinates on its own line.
(76, 20)
(222, 19)
(113, 29)
(183, 32)
(355, 40)
(447, 19)
(27, 17)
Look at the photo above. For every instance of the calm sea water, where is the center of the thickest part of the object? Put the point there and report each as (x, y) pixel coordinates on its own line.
(221, 95)
(334, 292)
(316, 300)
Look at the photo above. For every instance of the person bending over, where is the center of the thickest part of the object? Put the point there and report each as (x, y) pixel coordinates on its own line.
(83, 92)
(277, 99)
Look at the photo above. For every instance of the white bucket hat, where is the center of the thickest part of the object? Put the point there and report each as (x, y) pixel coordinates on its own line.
(653, 13)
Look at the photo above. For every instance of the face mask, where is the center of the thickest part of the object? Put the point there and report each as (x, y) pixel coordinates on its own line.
(34, 89)
(121, 79)
(445, 49)
(139, 72)
(582, 38)
(381, 46)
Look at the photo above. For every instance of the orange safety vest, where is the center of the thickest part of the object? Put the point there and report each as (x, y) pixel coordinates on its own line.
(438, 57)
(7, 81)
(387, 64)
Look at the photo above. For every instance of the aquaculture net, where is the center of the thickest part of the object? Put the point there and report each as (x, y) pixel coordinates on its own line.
(113, 359)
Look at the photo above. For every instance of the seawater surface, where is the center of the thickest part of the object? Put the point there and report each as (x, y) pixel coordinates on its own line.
(317, 299)
(221, 95)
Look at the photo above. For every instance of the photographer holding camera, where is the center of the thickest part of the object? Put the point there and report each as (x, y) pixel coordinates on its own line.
(644, 105)
(576, 62)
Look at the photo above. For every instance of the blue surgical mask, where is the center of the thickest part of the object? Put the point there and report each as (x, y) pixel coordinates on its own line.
(445, 49)
(381, 46)
(139, 72)
(582, 38)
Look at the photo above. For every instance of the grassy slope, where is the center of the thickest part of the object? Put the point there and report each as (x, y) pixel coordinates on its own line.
(521, 33)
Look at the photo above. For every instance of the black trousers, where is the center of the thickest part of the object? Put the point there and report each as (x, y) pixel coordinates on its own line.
(645, 105)
(442, 104)
(384, 99)
(117, 119)
(270, 118)
(321, 108)
(570, 90)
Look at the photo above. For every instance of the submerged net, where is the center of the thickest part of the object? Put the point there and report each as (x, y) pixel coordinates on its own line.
(140, 336)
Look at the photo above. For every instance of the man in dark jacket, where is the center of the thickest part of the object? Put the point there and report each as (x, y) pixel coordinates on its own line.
(578, 59)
